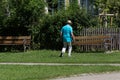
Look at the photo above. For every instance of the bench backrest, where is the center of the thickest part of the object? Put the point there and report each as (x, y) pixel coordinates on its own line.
(88, 40)
(15, 40)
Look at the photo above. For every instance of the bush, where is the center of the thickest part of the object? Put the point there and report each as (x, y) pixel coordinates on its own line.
(117, 21)
(16, 15)
(49, 34)
(20, 17)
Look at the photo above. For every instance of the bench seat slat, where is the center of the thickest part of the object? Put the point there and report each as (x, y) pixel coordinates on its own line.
(89, 42)
(104, 40)
(14, 37)
(91, 37)
(16, 40)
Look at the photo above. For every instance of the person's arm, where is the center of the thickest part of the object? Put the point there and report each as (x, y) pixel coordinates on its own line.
(60, 34)
(73, 37)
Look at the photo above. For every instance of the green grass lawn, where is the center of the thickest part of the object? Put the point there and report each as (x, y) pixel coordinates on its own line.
(22, 72)
(53, 57)
(17, 72)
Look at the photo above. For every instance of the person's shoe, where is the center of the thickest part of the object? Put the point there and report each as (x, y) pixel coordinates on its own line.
(61, 55)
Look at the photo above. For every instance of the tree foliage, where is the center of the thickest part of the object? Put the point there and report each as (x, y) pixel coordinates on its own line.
(110, 6)
(17, 15)
(49, 35)
(27, 17)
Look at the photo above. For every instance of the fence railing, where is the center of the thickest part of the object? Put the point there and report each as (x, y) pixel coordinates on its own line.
(113, 32)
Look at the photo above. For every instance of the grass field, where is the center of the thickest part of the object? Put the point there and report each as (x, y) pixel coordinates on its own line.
(52, 57)
(39, 72)
(19, 72)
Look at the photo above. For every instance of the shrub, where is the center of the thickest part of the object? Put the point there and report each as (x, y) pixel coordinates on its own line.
(49, 35)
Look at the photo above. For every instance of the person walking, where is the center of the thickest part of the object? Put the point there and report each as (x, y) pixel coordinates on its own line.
(67, 38)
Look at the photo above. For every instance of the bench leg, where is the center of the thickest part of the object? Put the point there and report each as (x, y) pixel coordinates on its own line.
(24, 46)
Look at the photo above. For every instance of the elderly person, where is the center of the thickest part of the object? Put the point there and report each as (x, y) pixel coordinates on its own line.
(67, 36)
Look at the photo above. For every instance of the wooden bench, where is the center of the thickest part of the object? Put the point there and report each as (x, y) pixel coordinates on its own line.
(102, 40)
(16, 40)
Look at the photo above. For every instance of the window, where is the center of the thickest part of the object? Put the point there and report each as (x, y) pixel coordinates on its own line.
(70, 1)
(83, 3)
(87, 5)
(52, 6)
(61, 4)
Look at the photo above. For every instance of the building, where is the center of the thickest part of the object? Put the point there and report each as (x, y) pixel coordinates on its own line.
(55, 5)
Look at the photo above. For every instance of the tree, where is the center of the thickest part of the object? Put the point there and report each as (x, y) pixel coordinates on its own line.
(21, 15)
(107, 7)
(110, 6)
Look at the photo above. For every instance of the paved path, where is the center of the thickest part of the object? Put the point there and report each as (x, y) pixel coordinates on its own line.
(57, 64)
(104, 76)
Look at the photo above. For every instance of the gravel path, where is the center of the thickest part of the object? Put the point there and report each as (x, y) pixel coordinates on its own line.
(104, 76)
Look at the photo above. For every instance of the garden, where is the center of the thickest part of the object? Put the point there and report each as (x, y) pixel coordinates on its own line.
(45, 72)
(28, 18)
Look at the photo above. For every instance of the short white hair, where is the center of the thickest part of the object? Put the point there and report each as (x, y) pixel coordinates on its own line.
(69, 22)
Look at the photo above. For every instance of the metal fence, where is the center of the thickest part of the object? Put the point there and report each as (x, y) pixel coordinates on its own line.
(113, 32)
